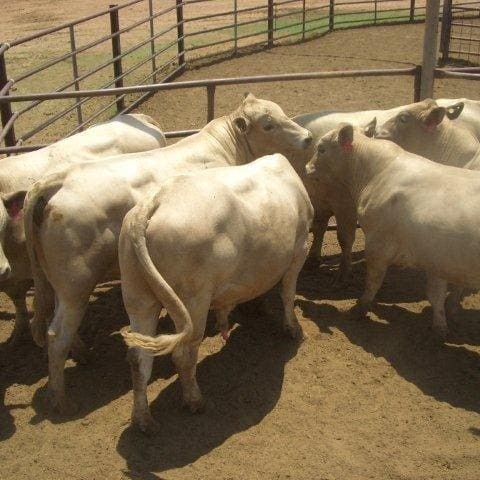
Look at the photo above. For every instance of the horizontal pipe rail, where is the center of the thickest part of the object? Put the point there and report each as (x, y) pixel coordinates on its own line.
(203, 83)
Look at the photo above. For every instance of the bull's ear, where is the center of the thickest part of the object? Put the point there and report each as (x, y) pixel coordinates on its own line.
(241, 124)
(249, 96)
(434, 117)
(14, 202)
(345, 137)
(454, 111)
(369, 128)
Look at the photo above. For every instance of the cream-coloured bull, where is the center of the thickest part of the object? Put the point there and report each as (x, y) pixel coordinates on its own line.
(123, 134)
(208, 241)
(73, 218)
(326, 201)
(424, 128)
(414, 213)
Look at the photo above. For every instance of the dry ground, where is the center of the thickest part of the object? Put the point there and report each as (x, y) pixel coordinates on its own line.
(375, 399)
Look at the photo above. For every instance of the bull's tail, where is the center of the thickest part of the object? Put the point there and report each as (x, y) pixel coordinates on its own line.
(44, 296)
(161, 344)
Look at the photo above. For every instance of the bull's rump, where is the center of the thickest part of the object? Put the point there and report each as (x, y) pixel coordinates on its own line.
(230, 233)
(431, 220)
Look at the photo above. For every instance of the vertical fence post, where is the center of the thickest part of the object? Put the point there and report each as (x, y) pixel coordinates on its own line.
(270, 23)
(412, 10)
(6, 108)
(235, 27)
(429, 49)
(375, 12)
(180, 34)
(78, 101)
(152, 40)
(116, 52)
(331, 15)
(417, 82)
(210, 102)
(303, 20)
(446, 30)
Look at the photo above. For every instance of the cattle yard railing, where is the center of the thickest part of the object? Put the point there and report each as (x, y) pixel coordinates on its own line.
(209, 85)
(460, 35)
(156, 43)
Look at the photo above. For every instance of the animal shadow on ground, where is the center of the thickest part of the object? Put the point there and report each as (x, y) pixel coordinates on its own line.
(106, 374)
(400, 284)
(242, 383)
(449, 373)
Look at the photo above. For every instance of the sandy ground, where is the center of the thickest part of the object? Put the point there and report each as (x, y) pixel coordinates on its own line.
(376, 399)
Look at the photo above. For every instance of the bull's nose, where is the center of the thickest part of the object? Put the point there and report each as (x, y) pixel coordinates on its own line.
(308, 141)
(5, 273)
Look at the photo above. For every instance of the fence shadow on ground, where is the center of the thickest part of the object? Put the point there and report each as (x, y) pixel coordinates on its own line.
(242, 384)
(447, 372)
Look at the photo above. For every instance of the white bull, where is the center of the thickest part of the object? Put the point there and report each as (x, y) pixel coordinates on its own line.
(327, 203)
(414, 213)
(73, 219)
(125, 133)
(209, 240)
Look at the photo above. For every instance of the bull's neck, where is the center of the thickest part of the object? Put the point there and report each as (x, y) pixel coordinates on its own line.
(450, 145)
(366, 165)
(228, 144)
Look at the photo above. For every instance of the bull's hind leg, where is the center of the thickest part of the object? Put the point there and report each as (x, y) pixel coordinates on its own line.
(453, 303)
(346, 229)
(289, 287)
(436, 293)
(61, 333)
(185, 356)
(141, 367)
(222, 321)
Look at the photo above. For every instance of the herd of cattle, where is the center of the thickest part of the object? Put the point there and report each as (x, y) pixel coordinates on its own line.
(221, 217)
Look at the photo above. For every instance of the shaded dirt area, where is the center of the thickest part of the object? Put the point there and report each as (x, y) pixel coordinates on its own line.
(376, 399)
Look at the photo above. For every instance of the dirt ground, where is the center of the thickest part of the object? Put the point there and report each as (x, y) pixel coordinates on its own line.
(374, 399)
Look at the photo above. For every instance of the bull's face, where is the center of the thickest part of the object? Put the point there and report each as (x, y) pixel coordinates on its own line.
(268, 130)
(10, 211)
(413, 127)
(330, 154)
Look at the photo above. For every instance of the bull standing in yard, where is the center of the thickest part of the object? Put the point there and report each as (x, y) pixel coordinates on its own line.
(123, 134)
(210, 240)
(414, 213)
(73, 218)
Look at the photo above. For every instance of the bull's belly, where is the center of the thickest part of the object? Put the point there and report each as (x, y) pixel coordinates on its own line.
(247, 286)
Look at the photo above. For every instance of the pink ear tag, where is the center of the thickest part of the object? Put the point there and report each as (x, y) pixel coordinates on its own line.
(347, 147)
(15, 212)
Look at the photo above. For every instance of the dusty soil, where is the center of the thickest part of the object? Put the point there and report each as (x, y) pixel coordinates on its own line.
(376, 399)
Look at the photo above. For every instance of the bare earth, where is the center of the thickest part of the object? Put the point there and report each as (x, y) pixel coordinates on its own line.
(375, 399)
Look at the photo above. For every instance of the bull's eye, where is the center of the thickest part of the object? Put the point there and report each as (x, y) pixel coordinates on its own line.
(321, 149)
(403, 118)
(268, 127)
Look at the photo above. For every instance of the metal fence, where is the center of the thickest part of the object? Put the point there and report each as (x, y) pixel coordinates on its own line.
(155, 46)
(460, 36)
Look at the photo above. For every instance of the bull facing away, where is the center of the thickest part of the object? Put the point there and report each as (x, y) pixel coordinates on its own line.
(209, 240)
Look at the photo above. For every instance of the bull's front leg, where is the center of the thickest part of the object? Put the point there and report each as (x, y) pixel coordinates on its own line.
(377, 262)
(17, 293)
(436, 293)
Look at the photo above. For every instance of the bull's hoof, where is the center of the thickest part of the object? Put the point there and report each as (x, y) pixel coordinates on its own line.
(79, 351)
(342, 280)
(312, 263)
(440, 333)
(61, 405)
(195, 406)
(359, 310)
(295, 332)
(146, 424)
